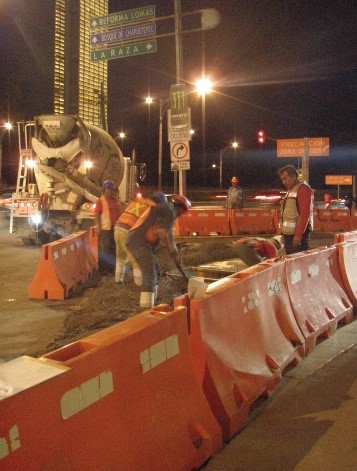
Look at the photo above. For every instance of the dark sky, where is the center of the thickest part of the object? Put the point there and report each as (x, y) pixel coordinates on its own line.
(285, 66)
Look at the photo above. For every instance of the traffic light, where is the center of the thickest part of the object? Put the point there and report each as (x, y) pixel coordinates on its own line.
(261, 137)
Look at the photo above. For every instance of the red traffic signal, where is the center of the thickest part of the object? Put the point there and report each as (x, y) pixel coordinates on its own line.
(261, 137)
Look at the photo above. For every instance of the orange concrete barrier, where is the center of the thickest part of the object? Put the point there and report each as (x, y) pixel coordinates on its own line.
(203, 222)
(347, 258)
(238, 345)
(64, 264)
(316, 291)
(126, 398)
(253, 221)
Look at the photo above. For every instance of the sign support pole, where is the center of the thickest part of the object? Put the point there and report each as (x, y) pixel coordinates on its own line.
(305, 161)
(179, 67)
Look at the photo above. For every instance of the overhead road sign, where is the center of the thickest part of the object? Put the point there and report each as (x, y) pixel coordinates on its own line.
(317, 147)
(129, 16)
(120, 52)
(123, 34)
(338, 179)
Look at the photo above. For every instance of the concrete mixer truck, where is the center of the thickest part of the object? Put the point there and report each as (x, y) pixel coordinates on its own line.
(63, 164)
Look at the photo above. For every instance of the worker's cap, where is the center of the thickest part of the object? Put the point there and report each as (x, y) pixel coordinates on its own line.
(234, 180)
(108, 185)
(159, 197)
(181, 201)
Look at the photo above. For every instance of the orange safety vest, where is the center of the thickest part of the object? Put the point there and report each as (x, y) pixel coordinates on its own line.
(132, 213)
(105, 215)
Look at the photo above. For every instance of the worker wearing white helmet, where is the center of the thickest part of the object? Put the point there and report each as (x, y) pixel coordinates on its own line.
(235, 195)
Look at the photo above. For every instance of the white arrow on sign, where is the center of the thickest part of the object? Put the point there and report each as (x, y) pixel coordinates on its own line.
(180, 150)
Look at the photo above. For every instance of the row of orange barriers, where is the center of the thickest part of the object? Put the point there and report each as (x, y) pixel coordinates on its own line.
(64, 265)
(251, 325)
(163, 389)
(209, 221)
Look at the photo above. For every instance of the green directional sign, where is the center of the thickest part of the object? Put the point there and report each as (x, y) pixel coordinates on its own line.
(118, 52)
(129, 16)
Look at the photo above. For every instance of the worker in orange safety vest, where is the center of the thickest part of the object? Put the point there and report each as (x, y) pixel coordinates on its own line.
(107, 210)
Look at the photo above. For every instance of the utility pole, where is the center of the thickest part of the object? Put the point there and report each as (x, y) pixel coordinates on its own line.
(179, 73)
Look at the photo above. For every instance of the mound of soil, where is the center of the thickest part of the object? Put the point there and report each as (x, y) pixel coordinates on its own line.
(101, 302)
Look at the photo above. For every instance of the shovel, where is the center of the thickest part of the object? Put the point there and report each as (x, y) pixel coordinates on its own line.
(196, 285)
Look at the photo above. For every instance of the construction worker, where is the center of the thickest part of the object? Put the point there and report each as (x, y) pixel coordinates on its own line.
(253, 250)
(125, 222)
(296, 213)
(235, 195)
(152, 229)
(106, 213)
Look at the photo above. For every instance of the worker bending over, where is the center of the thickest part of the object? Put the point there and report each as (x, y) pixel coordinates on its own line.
(152, 229)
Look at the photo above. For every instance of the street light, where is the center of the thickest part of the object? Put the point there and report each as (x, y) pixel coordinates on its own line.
(234, 145)
(122, 135)
(7, 127)
(203, 86)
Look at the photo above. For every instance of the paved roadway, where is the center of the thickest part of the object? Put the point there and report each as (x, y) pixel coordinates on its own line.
(308, 424)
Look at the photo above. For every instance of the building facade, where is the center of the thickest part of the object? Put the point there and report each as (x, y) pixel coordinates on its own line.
(80, 86)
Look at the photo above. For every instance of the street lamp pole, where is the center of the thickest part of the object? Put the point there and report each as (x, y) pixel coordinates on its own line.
(221, 154)
(159, 172)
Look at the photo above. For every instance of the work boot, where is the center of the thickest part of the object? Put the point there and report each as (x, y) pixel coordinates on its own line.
(119, 272)
(147, 299)
(138, 276)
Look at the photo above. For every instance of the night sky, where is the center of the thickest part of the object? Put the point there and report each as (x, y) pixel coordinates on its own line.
(285, 66)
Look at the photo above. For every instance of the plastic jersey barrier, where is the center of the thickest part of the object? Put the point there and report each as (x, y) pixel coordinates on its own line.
(238, 346)
(316, 291)
(93, 244)
(345, 236)
(274, 297)
(347, 258)
(126, 398)
(332, 220)
(64, 264)
(252, 221)
(203, 222)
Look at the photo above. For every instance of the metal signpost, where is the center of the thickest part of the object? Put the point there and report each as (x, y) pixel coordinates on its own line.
(109, 30)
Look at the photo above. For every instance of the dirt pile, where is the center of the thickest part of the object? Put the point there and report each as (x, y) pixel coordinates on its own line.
(101, 302)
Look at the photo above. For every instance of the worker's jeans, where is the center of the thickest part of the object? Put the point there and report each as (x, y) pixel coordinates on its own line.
(304, 244)
(106, 248)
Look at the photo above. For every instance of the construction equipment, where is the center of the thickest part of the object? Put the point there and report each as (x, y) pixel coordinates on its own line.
(63, 164)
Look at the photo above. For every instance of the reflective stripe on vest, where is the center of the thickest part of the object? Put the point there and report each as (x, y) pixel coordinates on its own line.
(105, 215)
